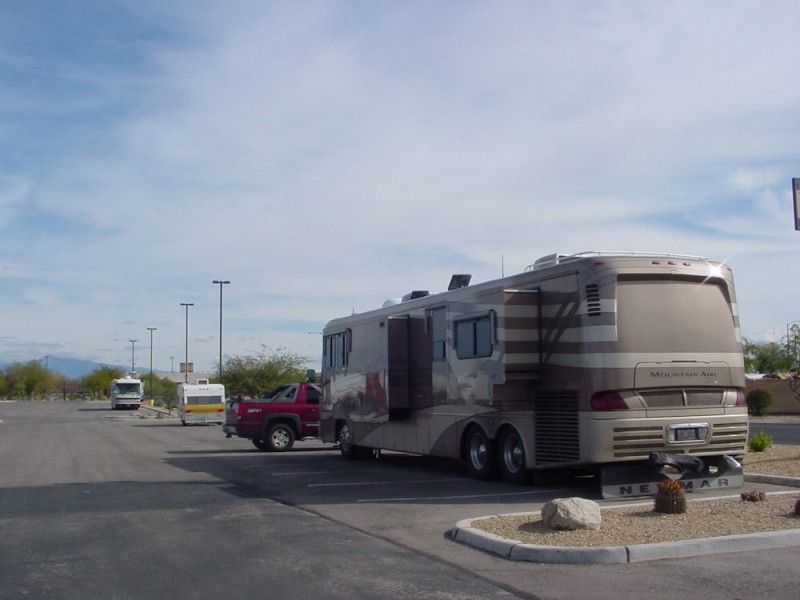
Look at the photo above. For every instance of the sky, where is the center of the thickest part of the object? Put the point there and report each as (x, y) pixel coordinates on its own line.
(324, 156)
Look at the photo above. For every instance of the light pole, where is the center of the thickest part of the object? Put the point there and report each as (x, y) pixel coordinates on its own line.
(151, 330)
(186, 364)
(133, 355)
(220, 282)
(791, 347)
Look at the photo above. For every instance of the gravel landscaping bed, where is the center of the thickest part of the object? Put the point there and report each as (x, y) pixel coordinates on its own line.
(639, 524)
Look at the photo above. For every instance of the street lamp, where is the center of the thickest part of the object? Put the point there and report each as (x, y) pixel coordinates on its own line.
(186, 364)
(220, 282)
(133, 355)
(151, 330)
(791, 348)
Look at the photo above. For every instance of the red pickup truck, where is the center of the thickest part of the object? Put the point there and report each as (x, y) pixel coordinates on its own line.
(274, 422)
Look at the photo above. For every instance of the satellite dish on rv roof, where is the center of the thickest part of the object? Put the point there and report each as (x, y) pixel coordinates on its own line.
(459, 281)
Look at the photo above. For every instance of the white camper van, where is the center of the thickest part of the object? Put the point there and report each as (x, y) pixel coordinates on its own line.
(126, 392)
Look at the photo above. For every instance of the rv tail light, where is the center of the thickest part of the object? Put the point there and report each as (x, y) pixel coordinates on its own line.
(608, 401)
(741, 399)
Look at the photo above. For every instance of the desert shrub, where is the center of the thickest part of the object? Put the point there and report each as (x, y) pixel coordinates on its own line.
(759, 442)
(758, 401)
(754, 496)
(670, 497)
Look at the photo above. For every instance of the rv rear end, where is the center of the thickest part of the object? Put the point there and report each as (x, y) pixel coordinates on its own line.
(202, 402)
(663, 349)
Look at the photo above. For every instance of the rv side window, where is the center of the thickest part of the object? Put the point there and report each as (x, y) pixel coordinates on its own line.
(474, 337)
(336, 349)
(438, 328)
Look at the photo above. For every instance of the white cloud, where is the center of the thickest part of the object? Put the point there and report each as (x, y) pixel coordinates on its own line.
(325, 156)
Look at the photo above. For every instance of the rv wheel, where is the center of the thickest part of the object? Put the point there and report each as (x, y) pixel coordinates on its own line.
(512, 457)
(480, 455)
(346, 446)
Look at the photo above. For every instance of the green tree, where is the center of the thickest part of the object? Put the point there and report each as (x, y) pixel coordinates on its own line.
(30, 380)
(98, 382)
(766, 357)
(164, 390)
(256, 375)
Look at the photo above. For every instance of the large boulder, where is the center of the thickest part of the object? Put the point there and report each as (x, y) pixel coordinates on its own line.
(571, 513)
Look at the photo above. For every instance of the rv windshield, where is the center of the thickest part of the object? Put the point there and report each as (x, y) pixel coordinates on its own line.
(126, 389)
(669, 315)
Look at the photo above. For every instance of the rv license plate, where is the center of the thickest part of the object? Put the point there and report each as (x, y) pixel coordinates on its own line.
(689, 434)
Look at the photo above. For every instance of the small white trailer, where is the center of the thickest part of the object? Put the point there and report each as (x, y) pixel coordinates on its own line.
(201, 402)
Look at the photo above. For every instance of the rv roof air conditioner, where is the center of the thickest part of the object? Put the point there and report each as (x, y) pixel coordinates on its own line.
(547, 261)
(416, 294)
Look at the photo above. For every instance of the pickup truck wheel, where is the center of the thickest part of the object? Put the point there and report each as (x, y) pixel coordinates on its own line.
(260, 444)
(280, 437)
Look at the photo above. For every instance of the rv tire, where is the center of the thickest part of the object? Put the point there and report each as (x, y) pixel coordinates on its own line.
(480, 455)
(347, 448)
(511, 456)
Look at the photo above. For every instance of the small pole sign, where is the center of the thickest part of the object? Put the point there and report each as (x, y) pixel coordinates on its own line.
(796, 196)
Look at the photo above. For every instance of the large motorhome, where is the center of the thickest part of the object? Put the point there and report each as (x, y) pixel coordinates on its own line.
(126, 392)
(625, 365)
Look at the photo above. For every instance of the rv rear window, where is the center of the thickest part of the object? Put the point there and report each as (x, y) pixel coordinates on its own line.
(199, 400)
(474, 337)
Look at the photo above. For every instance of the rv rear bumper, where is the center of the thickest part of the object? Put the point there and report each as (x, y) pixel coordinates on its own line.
(623, 480)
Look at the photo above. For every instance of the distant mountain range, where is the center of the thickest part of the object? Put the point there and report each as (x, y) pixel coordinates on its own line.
(73, 368)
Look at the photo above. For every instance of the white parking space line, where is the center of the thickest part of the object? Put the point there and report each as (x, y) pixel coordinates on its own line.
(326, 472)
(404, 482)
(462, 497)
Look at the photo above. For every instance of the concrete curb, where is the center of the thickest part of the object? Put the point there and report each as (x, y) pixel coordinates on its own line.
(157, 410)
(464, 533)
(773, 479)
